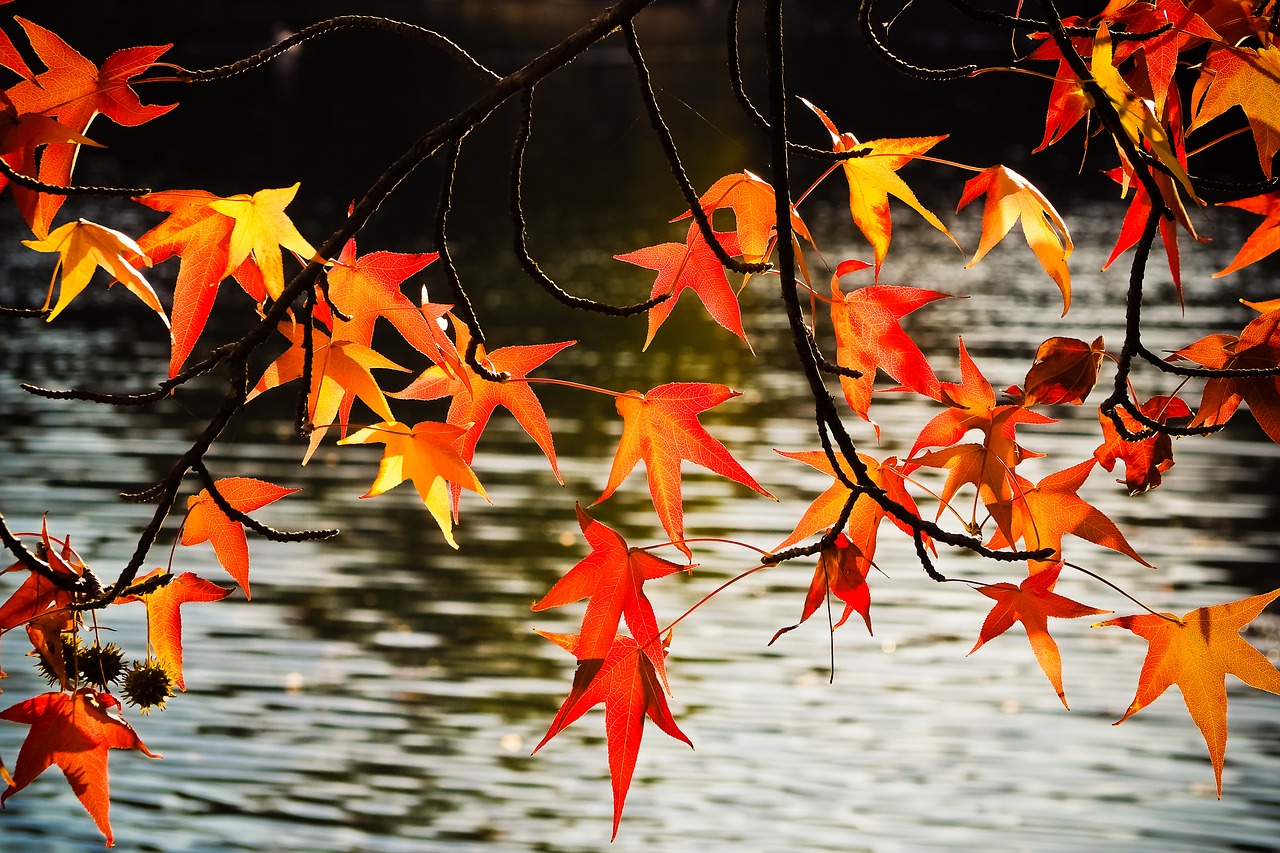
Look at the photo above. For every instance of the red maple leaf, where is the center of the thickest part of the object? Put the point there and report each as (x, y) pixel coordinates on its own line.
(613, 577)
(842, 571)
(661, 427)
(628, 685)
(1032, 603)
(690, 266)
(1258, 346)
(74, 732)
(1147, 459)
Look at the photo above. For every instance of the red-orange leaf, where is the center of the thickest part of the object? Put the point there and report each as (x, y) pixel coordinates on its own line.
(690, 266)
(1265, 239)
(1258, 346)
(627, 684)
(842, 571)
(339, 368)
(1065, 371)
(164, 619)
(661, 427)
(1042, 514)
(869, 336)
(753, 203)
(73, 732)
(1147, 459)
(1032, 603)
(475, 398)
(206, 522)
(613, 577)
(1196, 652)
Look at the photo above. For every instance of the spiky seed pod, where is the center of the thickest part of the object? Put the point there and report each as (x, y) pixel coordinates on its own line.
(147, 685)
(99, 665)
(70, 644)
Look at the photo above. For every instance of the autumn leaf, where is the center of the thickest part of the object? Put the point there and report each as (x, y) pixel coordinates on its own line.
(1250, 79)
(1068, 101)
(1258, 346)
(1196, 653)
(37, 594)
(1138, 213)
(842, 571)
(206, 522)
(475, 398)
(1065, 371)
(870, 337)
(1147, 459)
(73, 91)
(1265, 239)
(873, 177)
(1042, 514)
(74, 733)
(752, 201)
(989, 466)
(339, 368)
(612, 576)
(1010, 198)
(866, 514)
(690, 266)
(83, 246)
(200, 237)
(662, 428)
(261, 229)
(164, 618)
(1137, 115)
(628, 686)
(1169, 28)
(425, 453)
(1032, 603)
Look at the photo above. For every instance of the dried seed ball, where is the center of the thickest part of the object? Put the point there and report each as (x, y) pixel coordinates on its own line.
(100, 665)
(147, 685)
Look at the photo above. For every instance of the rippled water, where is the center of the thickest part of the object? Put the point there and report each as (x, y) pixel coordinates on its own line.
(382, 693)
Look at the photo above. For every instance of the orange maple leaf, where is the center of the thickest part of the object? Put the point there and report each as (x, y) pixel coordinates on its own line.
(1265, 239)
(338, 368)
(164, 619)
(613, 577)
(690, 266)
(1169, 28)
(206, 522)
(1065, 371)
(627, 684)
(82, 247)
(869, 336)
(1250, 79)
(1147, 459)
(1032, 603)
(866, 514)
(1196, 652)
(73, 90)
(425, 453)
(73, 732)
(661, 427)
(1010, 198)
(989, 465)
(475, 398)
(752, 201)
(1040, 515)
(873, 177)
(1258, 346)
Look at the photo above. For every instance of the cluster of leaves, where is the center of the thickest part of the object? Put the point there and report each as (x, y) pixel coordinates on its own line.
(1119, 72)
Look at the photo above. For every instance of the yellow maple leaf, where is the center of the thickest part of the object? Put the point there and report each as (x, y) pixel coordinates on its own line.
(84, 246)
(261, 229)
(427, 454)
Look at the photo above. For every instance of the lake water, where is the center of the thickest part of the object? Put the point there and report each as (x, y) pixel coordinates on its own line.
(382, 692)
